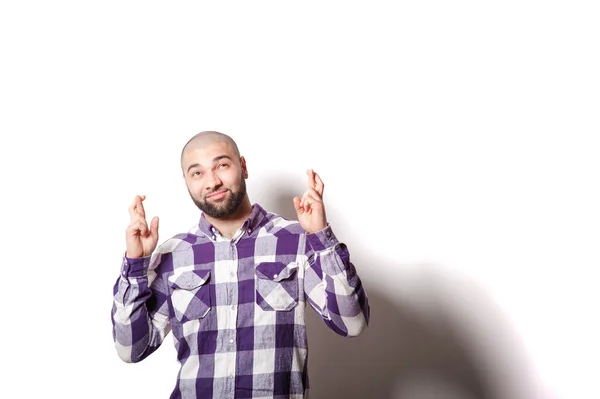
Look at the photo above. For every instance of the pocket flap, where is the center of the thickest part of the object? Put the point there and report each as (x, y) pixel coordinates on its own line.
(275, 271)
(189, 280)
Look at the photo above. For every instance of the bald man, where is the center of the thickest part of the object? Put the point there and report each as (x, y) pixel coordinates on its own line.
(234, 289)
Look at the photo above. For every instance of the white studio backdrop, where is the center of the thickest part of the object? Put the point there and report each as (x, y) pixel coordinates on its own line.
(458, 146)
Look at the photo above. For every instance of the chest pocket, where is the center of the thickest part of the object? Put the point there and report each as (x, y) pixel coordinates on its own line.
(276, 285)
(190, 294)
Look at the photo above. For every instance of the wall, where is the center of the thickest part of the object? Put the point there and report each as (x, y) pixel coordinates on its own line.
(456, 140)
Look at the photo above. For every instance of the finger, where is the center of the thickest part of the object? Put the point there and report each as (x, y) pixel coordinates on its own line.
(133, 229)
(304, 196)
(314, 194)
(143, 228)
(138, 227)
(154, 227)
(136, 209)
(319, 186)
(132, 212)
(139, 207)
(307, 202)
(298, 206)
(311, 178)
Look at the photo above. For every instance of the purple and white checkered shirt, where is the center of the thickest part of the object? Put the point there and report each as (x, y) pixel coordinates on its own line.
(236, 307)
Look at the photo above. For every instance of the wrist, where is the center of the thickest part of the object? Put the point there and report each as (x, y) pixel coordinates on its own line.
(317, 229)
(133, 254)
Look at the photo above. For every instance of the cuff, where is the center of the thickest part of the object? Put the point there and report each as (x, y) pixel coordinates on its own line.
(135, 267)
(322, 240)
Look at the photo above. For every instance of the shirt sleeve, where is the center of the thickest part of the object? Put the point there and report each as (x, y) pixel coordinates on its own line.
(140, 313)
(332, 286)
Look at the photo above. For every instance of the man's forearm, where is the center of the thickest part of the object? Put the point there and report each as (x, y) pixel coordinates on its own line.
(137, 330)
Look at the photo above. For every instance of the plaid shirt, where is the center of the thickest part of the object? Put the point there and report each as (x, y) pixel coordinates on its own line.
(236, 307)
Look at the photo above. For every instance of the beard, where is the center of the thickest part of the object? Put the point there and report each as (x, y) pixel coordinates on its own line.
(226, 208)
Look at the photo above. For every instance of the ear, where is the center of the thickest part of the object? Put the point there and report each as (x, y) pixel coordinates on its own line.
(244, 167)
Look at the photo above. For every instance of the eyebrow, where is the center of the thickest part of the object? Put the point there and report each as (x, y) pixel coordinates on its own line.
(215, 160)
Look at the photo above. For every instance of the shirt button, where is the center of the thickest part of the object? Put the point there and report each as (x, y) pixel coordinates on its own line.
(275, 276)
(328, 233)
(249, 231)
(231, 341)
(233, 307)
(232, 274)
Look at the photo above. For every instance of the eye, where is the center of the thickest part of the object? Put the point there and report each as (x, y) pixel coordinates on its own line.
(223, 165)
(196, 173)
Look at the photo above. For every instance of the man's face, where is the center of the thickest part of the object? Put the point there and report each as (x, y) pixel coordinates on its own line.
(215, 178)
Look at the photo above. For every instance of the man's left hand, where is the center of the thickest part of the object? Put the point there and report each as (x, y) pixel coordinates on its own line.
(310, 208)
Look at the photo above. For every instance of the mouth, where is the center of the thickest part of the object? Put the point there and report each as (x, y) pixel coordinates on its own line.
(217, 195)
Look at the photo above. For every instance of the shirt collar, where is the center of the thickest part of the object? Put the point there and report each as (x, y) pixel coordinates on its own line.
(250, 225)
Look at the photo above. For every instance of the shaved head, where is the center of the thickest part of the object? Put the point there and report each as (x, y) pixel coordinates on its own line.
(203, 139)
(215, 175)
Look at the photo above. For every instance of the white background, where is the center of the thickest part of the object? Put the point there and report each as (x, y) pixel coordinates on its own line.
(458, 145)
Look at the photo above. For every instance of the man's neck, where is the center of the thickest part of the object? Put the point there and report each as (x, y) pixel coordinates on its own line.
(229, 225)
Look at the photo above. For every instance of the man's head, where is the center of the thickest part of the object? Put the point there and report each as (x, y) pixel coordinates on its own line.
(214, 173)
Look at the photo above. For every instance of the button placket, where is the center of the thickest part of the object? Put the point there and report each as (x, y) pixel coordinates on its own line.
(232, 299)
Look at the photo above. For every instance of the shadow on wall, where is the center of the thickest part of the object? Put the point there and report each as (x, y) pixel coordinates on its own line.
(397, 356)
(411, 351)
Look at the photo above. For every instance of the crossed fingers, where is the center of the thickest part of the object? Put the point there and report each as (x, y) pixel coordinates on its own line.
(137, 215)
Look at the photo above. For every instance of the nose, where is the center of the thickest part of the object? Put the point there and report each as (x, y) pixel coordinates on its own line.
(213, 181)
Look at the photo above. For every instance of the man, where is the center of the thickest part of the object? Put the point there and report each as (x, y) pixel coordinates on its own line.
(233, 290)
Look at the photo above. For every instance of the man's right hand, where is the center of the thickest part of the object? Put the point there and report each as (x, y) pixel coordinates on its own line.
(141, 240)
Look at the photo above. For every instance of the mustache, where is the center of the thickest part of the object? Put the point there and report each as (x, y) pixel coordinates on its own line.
(218, 190)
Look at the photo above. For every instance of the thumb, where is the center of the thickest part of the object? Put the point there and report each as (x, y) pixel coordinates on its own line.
(154, 227)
